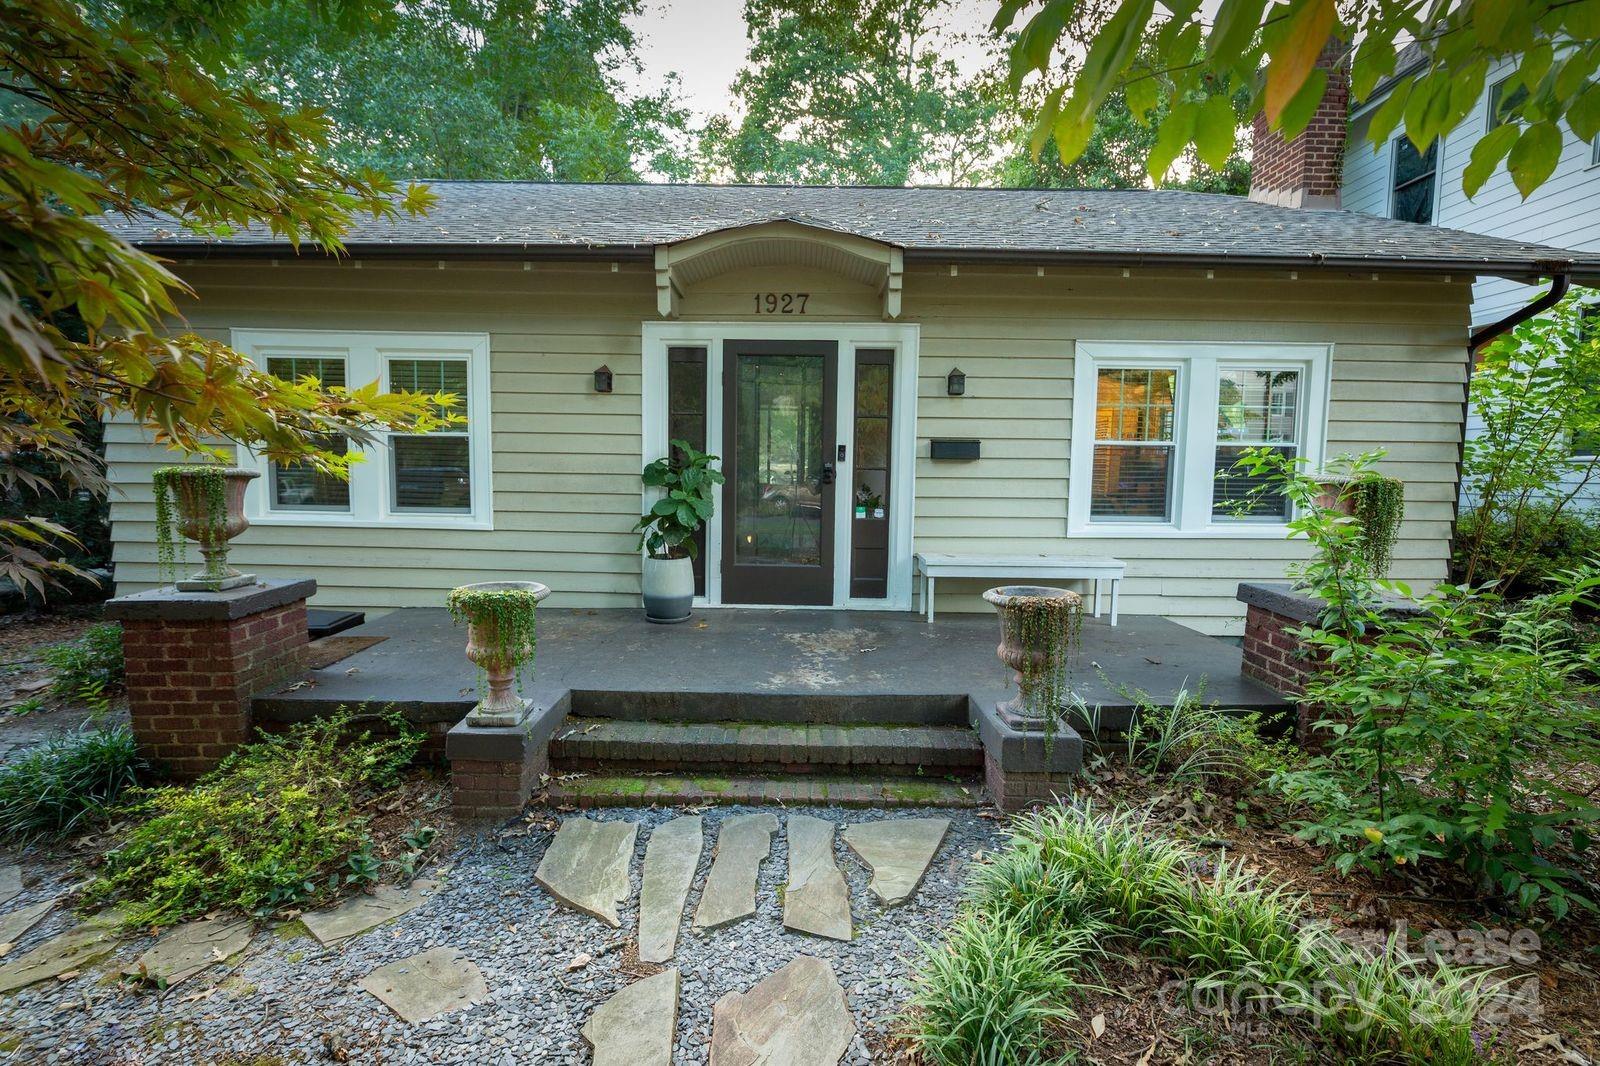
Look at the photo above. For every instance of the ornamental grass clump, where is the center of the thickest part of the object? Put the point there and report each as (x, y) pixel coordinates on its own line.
(67, 783)
(276, 825)
(1073, 886)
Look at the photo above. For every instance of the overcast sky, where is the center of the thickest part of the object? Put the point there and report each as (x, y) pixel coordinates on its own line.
(704, 42)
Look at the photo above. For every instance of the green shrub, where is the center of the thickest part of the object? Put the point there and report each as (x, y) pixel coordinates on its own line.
(1524, 555)
(66, 782)
(90, 668)
(1072, 883)
(1456, 728)
(282, 822)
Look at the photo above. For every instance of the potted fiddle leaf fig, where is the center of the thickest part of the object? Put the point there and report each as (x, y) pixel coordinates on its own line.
(687, 482)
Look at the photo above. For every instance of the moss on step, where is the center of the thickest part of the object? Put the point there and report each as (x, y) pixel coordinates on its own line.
(632, 789)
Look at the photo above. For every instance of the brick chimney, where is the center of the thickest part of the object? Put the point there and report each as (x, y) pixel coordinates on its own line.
(1307, 171)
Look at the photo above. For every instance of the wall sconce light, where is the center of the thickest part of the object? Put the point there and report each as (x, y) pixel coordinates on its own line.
(956, 383)
(602, 379)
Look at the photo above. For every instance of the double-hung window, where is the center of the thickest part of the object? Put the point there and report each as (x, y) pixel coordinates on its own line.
(434, 479)
(1158, 431)
(1134, 442)
(1256, 408)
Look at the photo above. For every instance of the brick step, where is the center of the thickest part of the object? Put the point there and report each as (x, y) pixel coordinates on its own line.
(641, 790)
(757, 747)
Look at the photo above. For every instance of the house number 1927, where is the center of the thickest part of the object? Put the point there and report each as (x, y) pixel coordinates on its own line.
(781, 303)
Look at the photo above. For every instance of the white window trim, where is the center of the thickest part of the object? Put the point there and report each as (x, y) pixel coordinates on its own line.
(657, 337)
(367, 355)
(1194, 430)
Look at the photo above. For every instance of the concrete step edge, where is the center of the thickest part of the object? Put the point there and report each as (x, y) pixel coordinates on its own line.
(628, 790)
(739, 743)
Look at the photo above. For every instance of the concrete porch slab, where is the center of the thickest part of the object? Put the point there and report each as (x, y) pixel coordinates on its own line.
(763, 665)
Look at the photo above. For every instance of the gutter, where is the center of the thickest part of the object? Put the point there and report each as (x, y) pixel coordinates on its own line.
(1560, 283)
(1515, 270)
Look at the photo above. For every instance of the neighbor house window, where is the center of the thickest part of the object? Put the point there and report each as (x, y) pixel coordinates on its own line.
(437, 478)
(1158, 430)
(1415, 175)
(1505, 99)
(1134, 443)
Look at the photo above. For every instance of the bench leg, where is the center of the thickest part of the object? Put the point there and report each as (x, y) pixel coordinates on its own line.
(927, 595)
(1116, 583)
(1096, 597)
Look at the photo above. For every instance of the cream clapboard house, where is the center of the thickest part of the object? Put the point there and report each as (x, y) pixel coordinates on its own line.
(1115, 351)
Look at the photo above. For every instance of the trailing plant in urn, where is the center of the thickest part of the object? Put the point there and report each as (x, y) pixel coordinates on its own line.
(1380, 504)
(206, 505)
(500, 618)
(1040, 628)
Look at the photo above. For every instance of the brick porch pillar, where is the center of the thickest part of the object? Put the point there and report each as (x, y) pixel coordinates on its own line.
(194, 660)
(495, 770)
(1274, 654)
(1019, 768)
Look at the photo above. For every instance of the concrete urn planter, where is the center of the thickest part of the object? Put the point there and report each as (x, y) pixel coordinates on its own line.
(668, 587)
(493, 653)
(209, 522)
(1334, 494)
(1037, 623)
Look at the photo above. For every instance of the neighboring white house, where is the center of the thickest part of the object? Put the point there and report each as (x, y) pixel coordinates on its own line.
(1396, 181)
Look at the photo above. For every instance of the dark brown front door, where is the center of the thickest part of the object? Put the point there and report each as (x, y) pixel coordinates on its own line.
(779, 405)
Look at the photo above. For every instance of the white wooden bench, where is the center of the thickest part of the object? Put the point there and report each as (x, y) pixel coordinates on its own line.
(934, 565)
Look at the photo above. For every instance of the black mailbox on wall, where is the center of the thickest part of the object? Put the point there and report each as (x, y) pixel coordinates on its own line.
(947, 448)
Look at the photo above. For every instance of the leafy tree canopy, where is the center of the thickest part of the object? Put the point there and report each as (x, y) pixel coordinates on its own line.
(856, 92)
(526, 89)
(872, 92)
(1266, 52)
(1115, 155)
(101, 116)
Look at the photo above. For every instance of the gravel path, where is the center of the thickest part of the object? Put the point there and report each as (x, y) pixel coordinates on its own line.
(290, 1000)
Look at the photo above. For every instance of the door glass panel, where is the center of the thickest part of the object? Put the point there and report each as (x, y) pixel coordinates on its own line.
(686, 421)
(779, 473)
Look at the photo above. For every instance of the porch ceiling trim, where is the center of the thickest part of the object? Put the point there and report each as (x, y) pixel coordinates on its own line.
(778, 243)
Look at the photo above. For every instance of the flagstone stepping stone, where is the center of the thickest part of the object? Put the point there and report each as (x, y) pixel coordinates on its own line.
(425, 986)
(16, 923)
(670, 860)
(182, 952)
(586, 866)
(358, 914)
(10, 882)
(637, 1026)
(729, 894)
(898, 850)
(796, 1017)
(73, 950)
(816, 900)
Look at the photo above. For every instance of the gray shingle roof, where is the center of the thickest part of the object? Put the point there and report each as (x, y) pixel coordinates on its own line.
(508, 218)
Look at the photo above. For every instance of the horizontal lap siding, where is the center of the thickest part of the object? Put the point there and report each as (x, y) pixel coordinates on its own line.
(1399, 371)
(566, 459)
